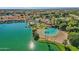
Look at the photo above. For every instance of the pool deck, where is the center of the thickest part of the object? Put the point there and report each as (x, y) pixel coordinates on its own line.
(59, 38)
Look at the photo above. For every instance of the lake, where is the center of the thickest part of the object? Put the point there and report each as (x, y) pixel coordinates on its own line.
(18, 37)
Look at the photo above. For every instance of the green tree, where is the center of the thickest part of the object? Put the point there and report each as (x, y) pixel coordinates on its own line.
(74, 39)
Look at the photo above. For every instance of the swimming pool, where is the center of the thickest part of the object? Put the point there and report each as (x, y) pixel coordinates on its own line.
(50, 31)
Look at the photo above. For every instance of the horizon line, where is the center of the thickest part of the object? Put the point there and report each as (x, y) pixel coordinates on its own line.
(39, 7)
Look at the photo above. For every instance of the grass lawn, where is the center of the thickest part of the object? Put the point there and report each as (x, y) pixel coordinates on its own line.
(72, 48)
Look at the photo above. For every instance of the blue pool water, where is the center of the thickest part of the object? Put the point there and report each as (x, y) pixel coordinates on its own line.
(51, 32)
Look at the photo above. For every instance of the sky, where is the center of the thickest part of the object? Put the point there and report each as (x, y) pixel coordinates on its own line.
(39, 3)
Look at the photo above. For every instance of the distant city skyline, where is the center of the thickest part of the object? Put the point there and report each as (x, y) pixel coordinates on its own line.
(38, 7)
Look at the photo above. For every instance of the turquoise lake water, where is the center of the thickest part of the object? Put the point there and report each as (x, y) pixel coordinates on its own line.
(16, 37)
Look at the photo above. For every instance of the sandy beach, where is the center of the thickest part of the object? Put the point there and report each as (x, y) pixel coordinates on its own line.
(59, 38)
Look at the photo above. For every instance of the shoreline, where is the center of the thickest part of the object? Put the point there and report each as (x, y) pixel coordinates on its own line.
(11, 21)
